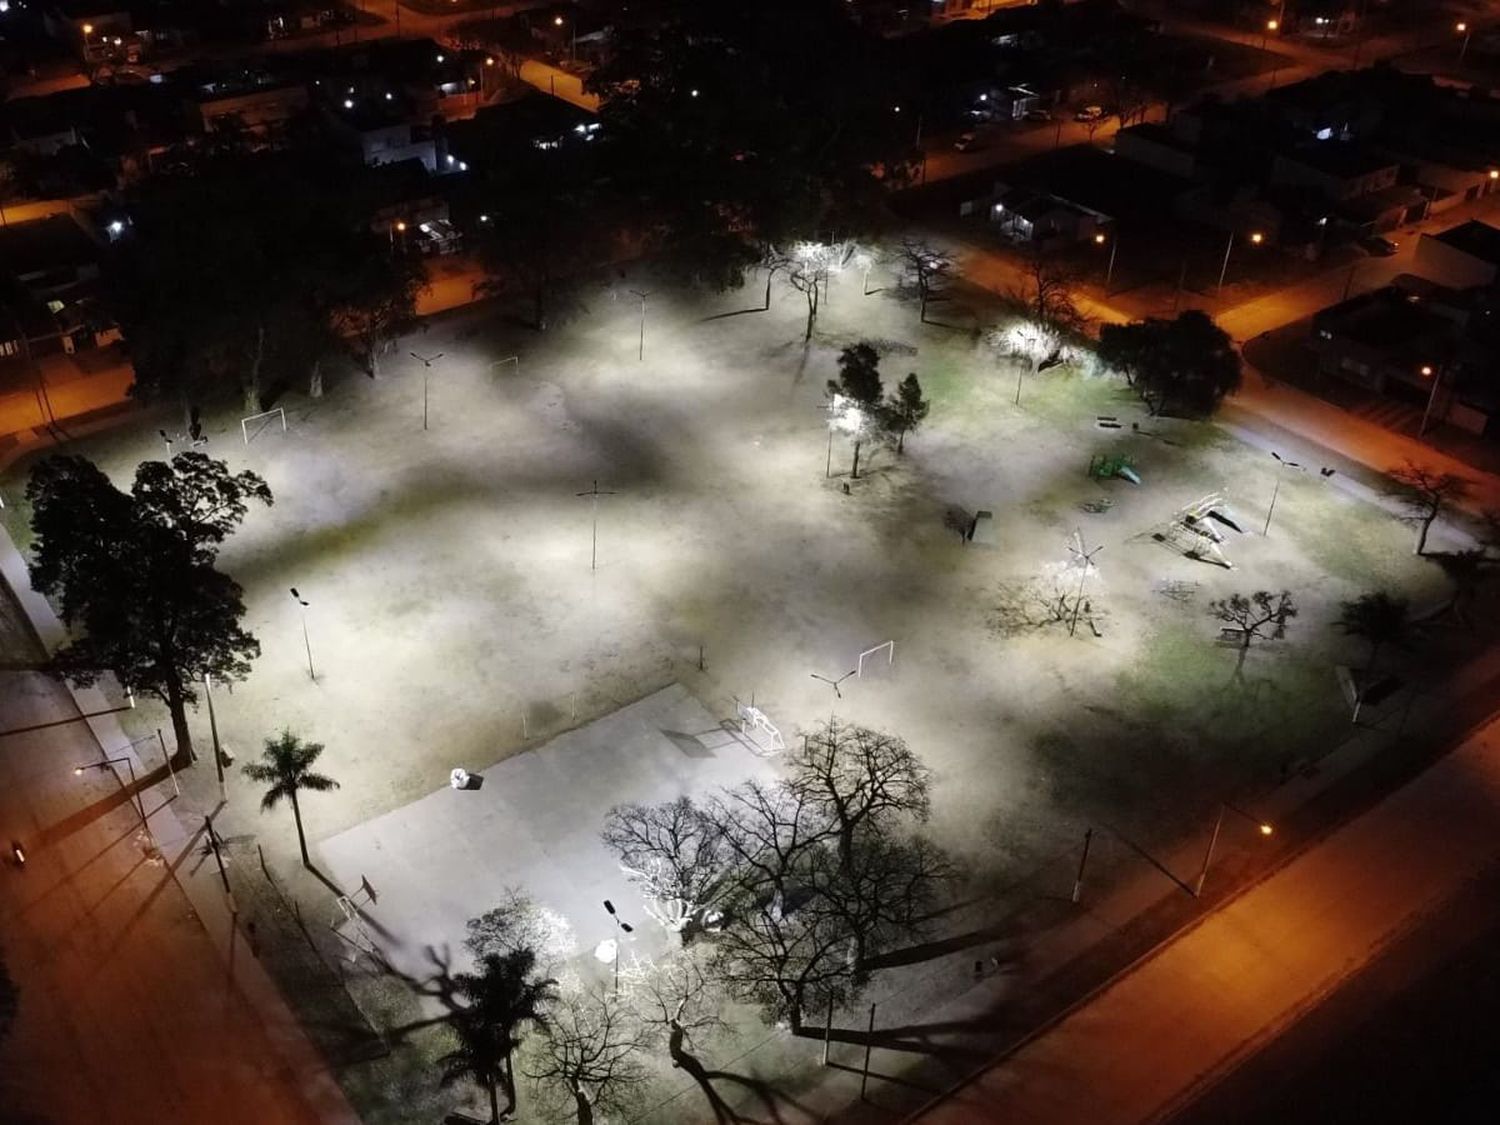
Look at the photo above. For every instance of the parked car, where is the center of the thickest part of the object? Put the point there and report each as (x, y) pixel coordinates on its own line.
(1089, 113)
(1378, 246)
(967, 142)
(1038, 115)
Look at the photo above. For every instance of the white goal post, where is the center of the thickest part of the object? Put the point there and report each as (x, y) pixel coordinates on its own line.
(888, 647)
(244, 422)
(508, 359)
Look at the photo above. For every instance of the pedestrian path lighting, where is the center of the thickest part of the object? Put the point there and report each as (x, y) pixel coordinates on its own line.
(1265, 828)
(140, 806)
(1281, 463)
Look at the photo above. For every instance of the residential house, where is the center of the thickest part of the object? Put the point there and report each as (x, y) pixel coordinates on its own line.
(1461, 256)
(49, 281)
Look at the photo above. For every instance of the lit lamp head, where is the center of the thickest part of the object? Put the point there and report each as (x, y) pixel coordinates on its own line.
(88, 29)
(1272, 25)
(1461, 27)
(1099, 240)
(1257, 238)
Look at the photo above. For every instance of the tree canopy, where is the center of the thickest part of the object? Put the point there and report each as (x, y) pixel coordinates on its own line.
(133, 573)
(242, 268)
(737, 126)
(1183, 366)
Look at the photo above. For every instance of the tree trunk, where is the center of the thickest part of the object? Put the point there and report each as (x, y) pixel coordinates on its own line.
(812, 315)
(301, 838)
(770, 274)
(901, 441)
(854, 475)
(1422, 533)
(683, 1060)
(584, 1106)
(178, 708)
(252, 377)
(494, 1104)
(315, 380)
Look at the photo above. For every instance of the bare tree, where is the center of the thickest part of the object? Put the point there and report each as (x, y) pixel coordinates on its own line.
(1261, 614)
(859, 780)
(925, 269)
(675, 853)
(768, 829)
(682, 1000)
(1048, 296)
(787, 953)
(885, 892)
(590, 1052)
(1425, 493)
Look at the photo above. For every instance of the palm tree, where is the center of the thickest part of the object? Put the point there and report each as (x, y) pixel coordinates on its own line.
(503, 997)
(1377, 618)
(286, 766)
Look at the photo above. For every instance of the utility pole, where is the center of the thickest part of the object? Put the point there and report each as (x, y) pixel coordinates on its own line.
(641, 347)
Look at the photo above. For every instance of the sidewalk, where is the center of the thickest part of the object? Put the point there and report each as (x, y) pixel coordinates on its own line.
(1144, 1046)
(139, 999)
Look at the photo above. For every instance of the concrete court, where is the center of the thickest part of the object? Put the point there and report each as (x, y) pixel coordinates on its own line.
(534, 824)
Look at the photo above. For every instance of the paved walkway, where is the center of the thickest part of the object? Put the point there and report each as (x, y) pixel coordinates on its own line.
(139, 1001)
(1192, 1010)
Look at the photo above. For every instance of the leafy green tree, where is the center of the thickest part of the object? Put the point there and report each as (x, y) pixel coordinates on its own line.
(286, 769)
(375, 303)
(229, 258)
(1377, 618)
(859, 383)
(503, 998)
(133, 574)
(1185, 366)
(906, 409)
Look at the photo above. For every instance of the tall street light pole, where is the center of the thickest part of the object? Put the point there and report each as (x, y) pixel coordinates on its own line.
(1086, 558)
(640, 353)
(1436, 375)
(1255, 238)
(140, 805)
(1463, 29)
(1281, 462)
(1262, 826)
(593, 494)
(426, 362)
(306, 644)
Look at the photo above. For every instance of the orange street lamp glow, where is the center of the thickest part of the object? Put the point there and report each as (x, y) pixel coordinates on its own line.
(1266, 830)
(1460, 27)
(1257, 238)
(1494, 174)
(558, 22)
(1426, 371)
(1272, 25)
(88, 29)
(400, 226)
(1098, 240)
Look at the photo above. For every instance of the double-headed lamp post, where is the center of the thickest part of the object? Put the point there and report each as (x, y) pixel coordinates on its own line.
(1263, 827)
(140, 805)
(623, 928)
(1281, 463)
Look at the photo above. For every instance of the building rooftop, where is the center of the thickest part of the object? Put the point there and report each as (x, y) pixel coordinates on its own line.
(1339, 158)
(1392, 320)
(42, 245)
(1478, 240)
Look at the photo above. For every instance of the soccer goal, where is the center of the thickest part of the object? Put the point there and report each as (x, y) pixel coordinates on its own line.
(873, 655)
(758, 729)
(515, 359)
(265, 419)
